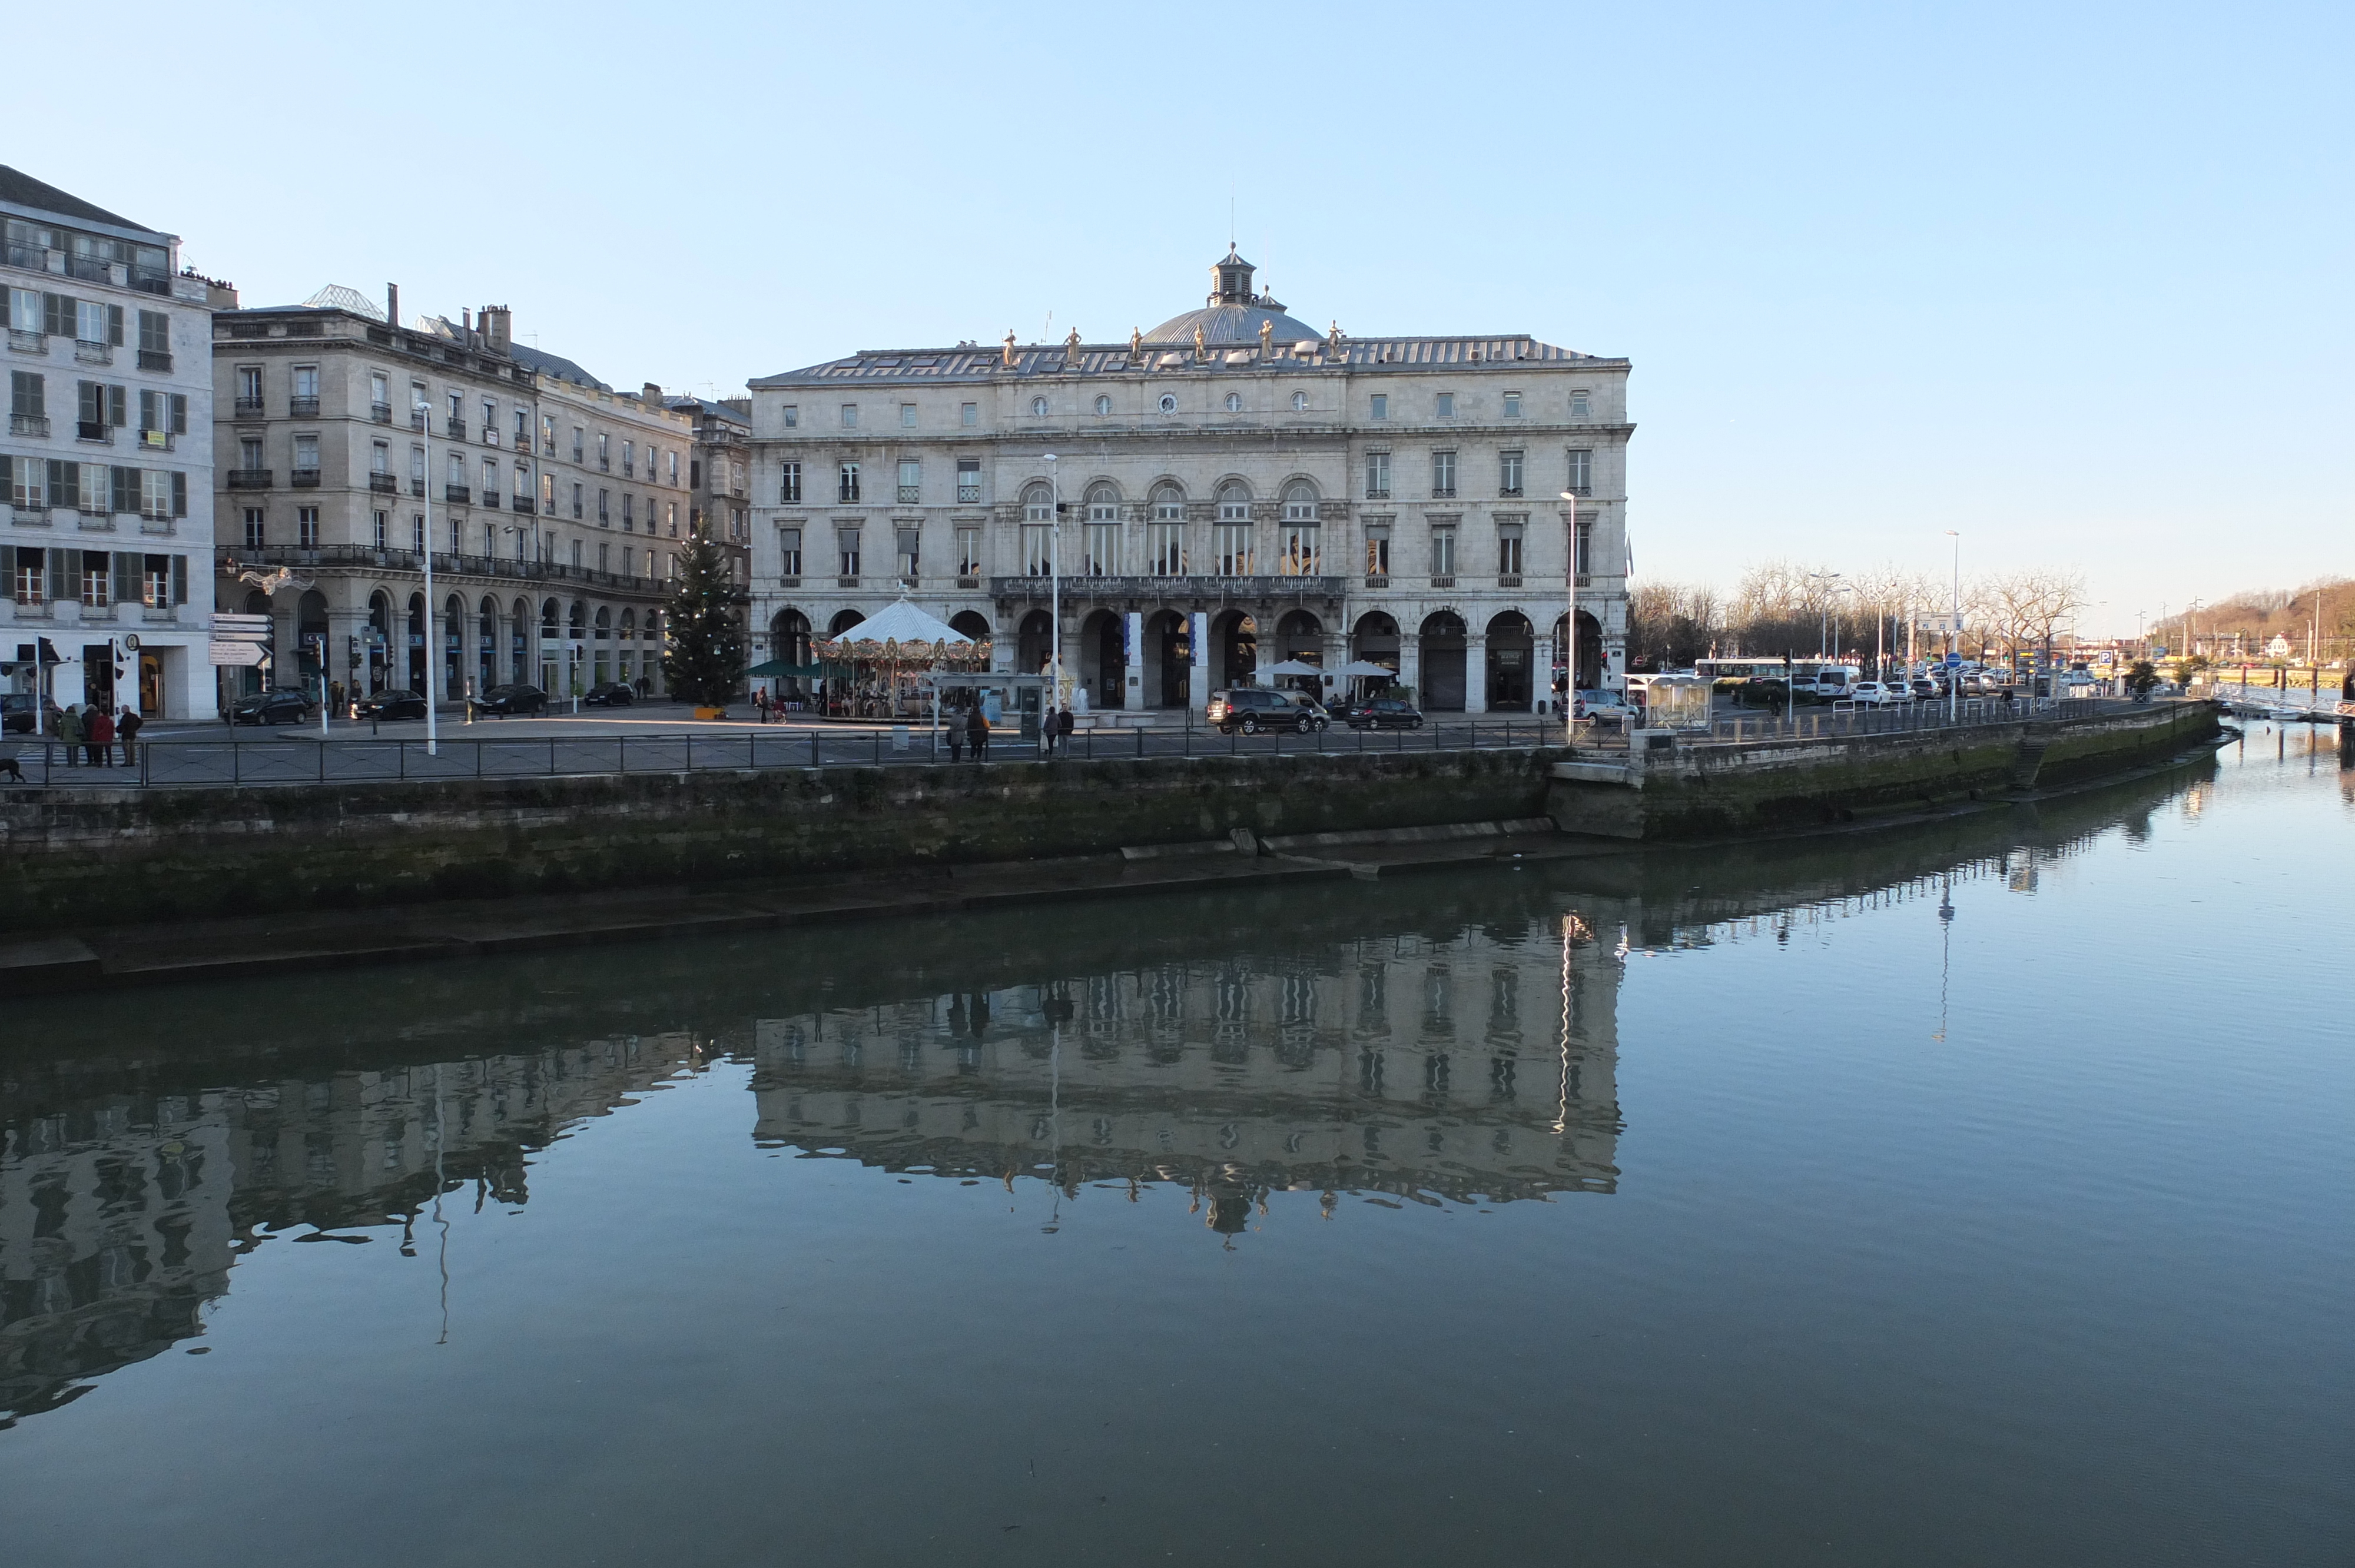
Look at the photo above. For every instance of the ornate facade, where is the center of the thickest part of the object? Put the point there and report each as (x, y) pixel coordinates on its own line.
(1227, 490)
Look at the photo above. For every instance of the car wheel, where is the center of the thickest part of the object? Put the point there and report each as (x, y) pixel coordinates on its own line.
(1304, 724)
(1251, 723)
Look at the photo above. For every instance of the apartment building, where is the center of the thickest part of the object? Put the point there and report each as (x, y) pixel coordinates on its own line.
(721, 475)
(106, 477)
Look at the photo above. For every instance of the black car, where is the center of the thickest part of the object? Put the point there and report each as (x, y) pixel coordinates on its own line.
(1254, 708)
(278, 706)
(19, 711)
(505, 701)
(1382, 713)
(390, 706)
(612, 694)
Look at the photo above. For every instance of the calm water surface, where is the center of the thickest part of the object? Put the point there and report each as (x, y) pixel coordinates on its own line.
(1963, 1196)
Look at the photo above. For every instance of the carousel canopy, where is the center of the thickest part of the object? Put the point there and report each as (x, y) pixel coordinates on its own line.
(899, 631)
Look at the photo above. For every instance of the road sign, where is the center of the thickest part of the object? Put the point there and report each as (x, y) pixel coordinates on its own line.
(238, 653)
(241, 628)
(1941, 623)
(1953, 661)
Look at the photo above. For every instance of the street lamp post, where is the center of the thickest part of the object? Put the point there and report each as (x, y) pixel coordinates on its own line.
(1054, 576)
(1569, 631)
(432, 654)
(1955, 635)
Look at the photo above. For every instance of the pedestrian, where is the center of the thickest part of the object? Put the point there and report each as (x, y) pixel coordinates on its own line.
(759, 704)
(1064, 725)
(1049, 729)
(101, 738)
(69, 731)
(976, 730)
(127, 727)
(957, 735)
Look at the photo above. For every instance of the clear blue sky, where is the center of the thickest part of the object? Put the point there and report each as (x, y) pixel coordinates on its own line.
(2071, 279)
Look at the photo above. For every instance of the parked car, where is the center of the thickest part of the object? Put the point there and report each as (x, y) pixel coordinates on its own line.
(1923, 689)
(1382, 713)
(612, 694)
(1254, 708)
(19, 711)
(1602, 705)
(280, 705)
(506, 701)
(390, 706)
(1877, 694)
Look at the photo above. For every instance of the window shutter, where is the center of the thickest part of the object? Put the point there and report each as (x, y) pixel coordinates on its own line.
(116, 397)
(126, 489)
(147, 409)
(90, 398)
(179, 498)
(61, 573)
(7, 477)
(57, 316)
(179, 413)
(126, 584)
(179, 563)
(114, 325)
(65, 484)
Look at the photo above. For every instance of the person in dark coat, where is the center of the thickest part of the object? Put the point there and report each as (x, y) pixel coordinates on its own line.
(127, 730)
(955, 731)
(976, 730)
(100, 737)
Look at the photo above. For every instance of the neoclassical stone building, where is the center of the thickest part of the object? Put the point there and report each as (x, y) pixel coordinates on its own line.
(1235, 488)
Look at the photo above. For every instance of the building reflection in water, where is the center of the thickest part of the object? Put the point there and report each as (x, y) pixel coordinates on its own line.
(120, 1216)
(1474, 1066)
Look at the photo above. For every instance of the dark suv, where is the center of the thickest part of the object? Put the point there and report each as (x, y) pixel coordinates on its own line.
(1254, 708)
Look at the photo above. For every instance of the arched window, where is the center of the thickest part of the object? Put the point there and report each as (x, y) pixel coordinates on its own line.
(1101, 558)
(1039, 408)
(1165, 536)
(1038, 503)
(1169, 402)
(1104, 504)
(1234, 503)
(1300, 501)
(1231, 538)
(1234, 402)
(1037, 530)
(1303, 551)
(1300, 402)
(1104, 407)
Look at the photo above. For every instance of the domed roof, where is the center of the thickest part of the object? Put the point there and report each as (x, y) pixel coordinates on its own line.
(1233, 314)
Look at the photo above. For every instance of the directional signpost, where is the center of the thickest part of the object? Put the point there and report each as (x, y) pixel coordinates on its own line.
(241, 640)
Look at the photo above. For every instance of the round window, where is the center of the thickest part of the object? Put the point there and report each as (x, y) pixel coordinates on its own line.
(1039, 407)
(1300, 402)
(1168, 404)
(1234, 402)
(1103, 406)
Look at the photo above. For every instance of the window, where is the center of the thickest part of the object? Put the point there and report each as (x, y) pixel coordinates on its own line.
(455, 476)
(547, 433)
(1442, 474)
(792, 416)
(306, 458)
(604, 509)
(906, 416)
(1378, 548)
(579, 440)
(908, 539)
(968, 549)
(1580, 408)
(248, 390)
(579, 490)
(96, 321)
(1299, 504)
(520, 488)
(522, 429)
(1234, 402)
(789, 552)
(1165, 542)
(1442, 549)
(1582, 471)
(1103, 539)
(847, 540)
(417, 470)
(1038, 408)
(1446, 408)
(850, 416)
(1583, 544)
(672, 462)
(1302, 556)
(1508, 549)
(789, 485)
(578, 546)
(968, 414)
(1103, 406)
(421, 405)
(630, 561)
(306, 527)
(629, 459)
(968, 481)
(630, 514)
(1508, 473)
(604, 562)
(380, 459)
(1381, 406)
(846, 484)
(1378, 476)
(248, 452)
(1037, 549)
(256, 534)
(28, 409)
(548, 495)
(490, 482)
(490, 423)
(670, 517)
(1230, 549)
(912, 481)
(160, 414)
(1234, 504)
(1168, 403)
(382, 527)
(417, 532)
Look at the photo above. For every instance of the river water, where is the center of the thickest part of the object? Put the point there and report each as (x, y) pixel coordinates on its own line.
(1967, 1195)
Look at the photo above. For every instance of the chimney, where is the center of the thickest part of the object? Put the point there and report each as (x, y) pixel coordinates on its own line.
(392, 304)
(498, 327)
(651, 396)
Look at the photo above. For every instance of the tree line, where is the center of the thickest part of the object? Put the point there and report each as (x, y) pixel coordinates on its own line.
(1781, 607)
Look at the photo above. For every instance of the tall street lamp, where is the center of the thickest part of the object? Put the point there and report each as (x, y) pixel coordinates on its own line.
(432, 654)
(1955, 636)
(1055, 575)
(1569, 631)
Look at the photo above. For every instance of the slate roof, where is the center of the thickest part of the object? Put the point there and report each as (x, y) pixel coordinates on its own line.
(973, 363)
(22, 189)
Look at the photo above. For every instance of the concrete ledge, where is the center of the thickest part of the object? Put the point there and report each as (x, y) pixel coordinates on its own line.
(47, 964)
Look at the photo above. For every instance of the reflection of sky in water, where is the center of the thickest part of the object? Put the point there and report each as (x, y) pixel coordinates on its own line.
(1909, 1188)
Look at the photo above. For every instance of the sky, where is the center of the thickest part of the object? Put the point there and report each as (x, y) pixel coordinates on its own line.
(2068, 280)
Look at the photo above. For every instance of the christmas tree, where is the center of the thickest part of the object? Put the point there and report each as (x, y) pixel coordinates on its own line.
(705, 661)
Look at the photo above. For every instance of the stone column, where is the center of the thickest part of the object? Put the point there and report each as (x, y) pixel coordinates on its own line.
(1475, 673)
(1199, 627)
(1541, 677)
(1132, 694)
(1411, 664)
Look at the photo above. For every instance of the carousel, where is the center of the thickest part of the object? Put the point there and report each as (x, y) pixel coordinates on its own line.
(874, 669)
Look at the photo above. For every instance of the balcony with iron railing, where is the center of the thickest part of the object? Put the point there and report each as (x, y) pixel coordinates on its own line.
(158, 441)
(384, 485)
(94, 430)
(301, 407)
(1257, 586)
(88, 269)
(457, 494)
(416, 485)
(155, 359)
(380, 412)
(457, 432)
(910, 494)
(249, 407)
(303, 478)
(417, 418)
(446, 562)
(250, 477)
(491, 499)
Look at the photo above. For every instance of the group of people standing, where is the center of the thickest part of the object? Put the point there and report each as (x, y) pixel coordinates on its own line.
(92, 732)
(970, 726)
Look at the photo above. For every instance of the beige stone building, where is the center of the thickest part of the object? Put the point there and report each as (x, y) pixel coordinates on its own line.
(1228, 490)
(555, 504)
